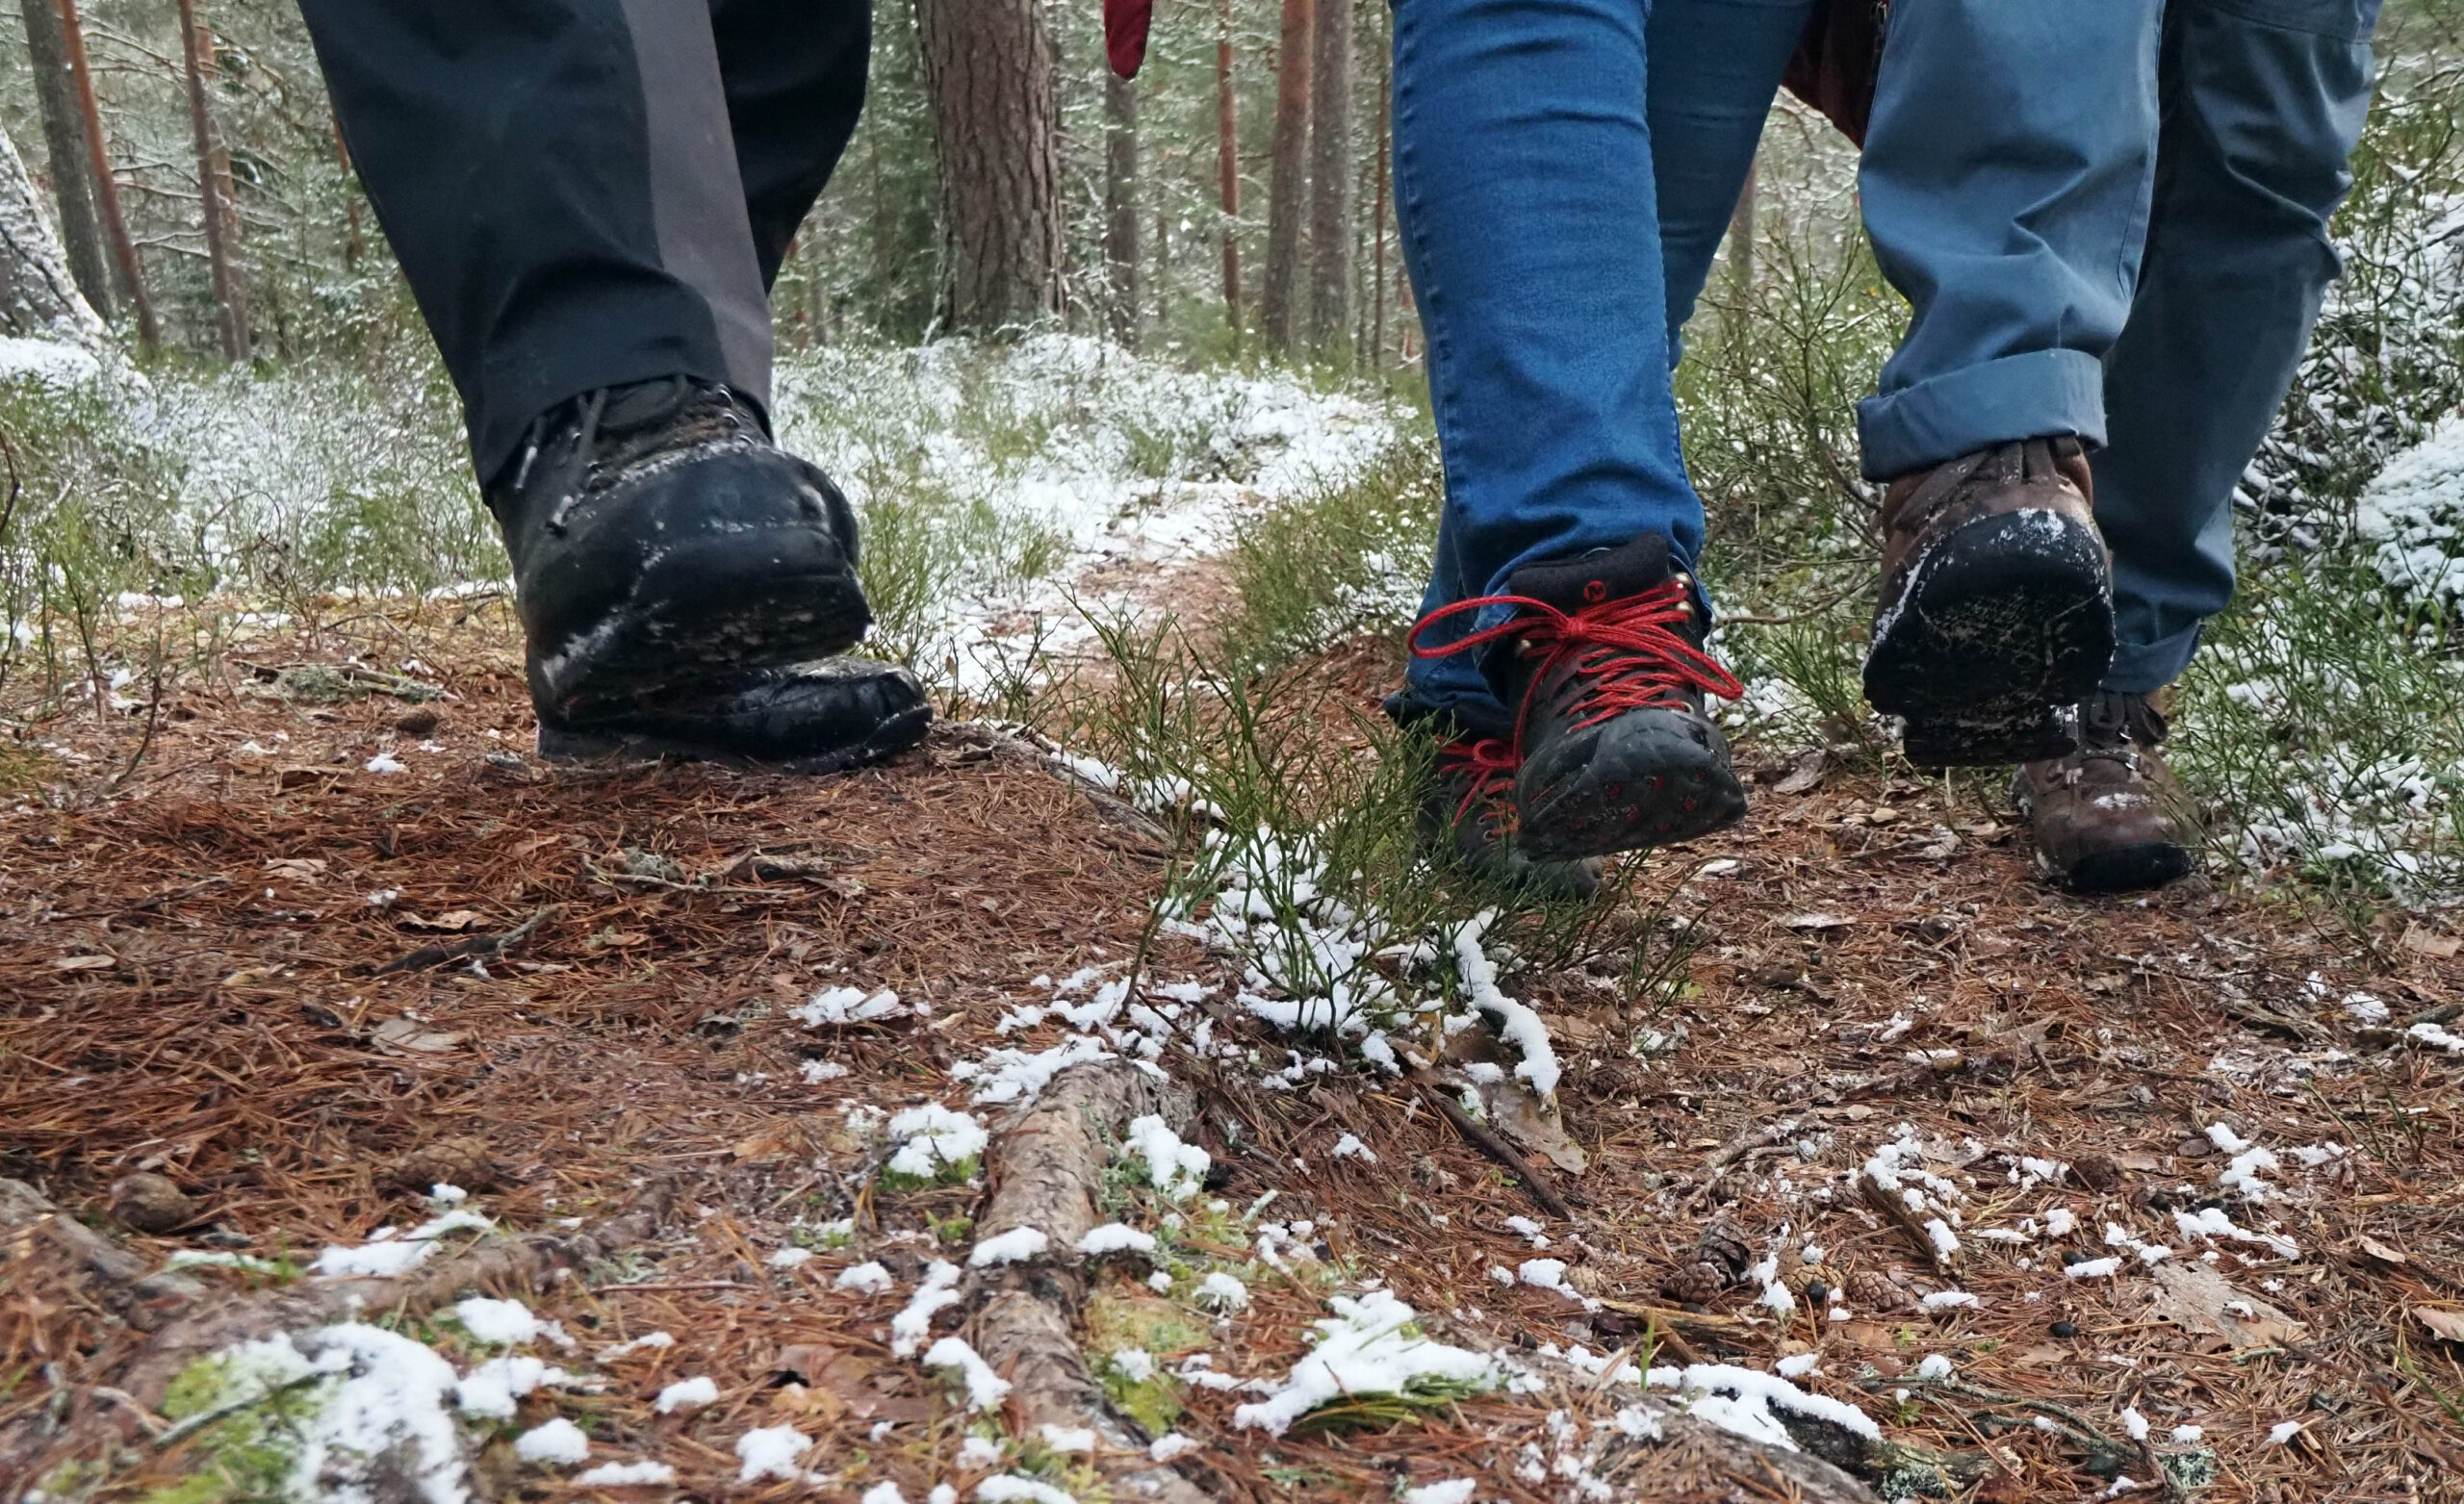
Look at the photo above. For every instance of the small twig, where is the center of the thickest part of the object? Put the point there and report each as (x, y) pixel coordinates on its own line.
(1741, 1147)
(673, 1284)
(203, 1418)
(154, 1424)
(427, 956)
(644, 879)
(1900, 1216)
(1498, 1149)
(153, 718)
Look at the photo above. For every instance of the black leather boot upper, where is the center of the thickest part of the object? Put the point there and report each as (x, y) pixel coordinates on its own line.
(662, 544)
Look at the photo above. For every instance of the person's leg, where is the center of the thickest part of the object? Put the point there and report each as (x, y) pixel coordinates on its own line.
(794, 75)
(554, 176)
(1523, 184)
(1705, 112)
(1722, 65)
(2005, 176)
(2264, 102)
(2004, 184)
(561, 183)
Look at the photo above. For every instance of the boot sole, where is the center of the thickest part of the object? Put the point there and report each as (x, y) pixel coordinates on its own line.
(567, 743)
(2002, 622)
(1654, 779)
(2126, 869)
(701, 616)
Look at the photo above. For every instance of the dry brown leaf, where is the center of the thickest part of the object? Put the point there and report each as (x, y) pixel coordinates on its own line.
(2194, 1297)
(451, 922)
(2430, 943)
(1511, 1106)
(407, 1035)
(1806, 775)
(2381, 1251)
(840, 1378)
(2445, 1322)
(83, 963)
(295, 868)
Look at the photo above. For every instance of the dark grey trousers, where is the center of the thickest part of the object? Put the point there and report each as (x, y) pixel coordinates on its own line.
(588, 192)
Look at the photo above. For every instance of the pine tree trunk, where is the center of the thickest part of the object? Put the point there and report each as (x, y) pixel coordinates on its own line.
(231, 313)
(988, 78)
(132, 271)
(1377, 219)
(39, 299)
(64, 134)
(1332, 194)
(1287, 195)
(1120, 207)
(1228, 166)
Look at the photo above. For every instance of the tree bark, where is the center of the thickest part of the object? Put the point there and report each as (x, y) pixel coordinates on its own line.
(64, 134)
(132, 271)
(39, 299)
(1332, 194)
(1287, 195)
(1377, 217)
(229, 301)
(1228, 166)
(989, 79)
(1120, 207)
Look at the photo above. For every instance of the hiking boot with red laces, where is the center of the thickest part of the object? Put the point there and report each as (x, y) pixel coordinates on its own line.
(1468, 814)
(2110, 817)
(1603, 661)
(1996, 611)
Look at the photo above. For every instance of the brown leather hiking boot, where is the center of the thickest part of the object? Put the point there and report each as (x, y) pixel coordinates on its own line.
(1603, 662)
(2110, 817)
(1997, 605)
(1468, 814)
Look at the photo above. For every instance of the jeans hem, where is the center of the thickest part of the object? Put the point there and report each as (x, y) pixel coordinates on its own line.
(2033, 395)
(2143, 668)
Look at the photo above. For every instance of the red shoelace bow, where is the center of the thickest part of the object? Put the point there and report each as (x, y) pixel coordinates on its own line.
(1626, 650)
(1487, 768)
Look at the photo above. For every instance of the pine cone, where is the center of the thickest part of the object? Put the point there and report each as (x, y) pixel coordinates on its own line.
(1695, 1284)
(1722, 1245)
(1871, 1289)
(464, 1161)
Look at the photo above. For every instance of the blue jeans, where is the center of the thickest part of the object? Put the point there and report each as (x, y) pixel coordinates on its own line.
(1565, 170)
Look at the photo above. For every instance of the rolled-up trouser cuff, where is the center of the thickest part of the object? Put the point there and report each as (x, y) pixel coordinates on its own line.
(2018, 397)
(2143, 669)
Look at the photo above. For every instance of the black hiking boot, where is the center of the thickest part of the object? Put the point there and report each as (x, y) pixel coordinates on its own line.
(664, 551)
(1468, 816)
(1996, 610)
(810, 718)
(1604, 663)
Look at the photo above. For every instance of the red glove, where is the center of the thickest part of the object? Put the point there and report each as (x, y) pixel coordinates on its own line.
(1125, 23)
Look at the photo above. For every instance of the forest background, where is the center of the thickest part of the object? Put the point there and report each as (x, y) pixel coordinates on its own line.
(1224, 220)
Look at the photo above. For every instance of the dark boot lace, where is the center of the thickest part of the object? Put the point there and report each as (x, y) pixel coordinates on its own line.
(618, 427)
(2114, 726)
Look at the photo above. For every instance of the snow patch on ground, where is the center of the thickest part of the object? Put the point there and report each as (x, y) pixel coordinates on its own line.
(1367, 1347)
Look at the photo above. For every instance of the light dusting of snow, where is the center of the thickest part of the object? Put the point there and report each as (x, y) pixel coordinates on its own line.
(1364, 1349)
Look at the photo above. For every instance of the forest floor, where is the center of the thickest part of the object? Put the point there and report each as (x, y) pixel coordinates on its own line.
(2203, 1168)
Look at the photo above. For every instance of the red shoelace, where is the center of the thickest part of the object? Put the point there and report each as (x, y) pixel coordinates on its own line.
(1487, 768)
(1626, 652)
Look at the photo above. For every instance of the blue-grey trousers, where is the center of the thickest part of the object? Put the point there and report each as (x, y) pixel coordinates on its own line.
(2109, 218)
